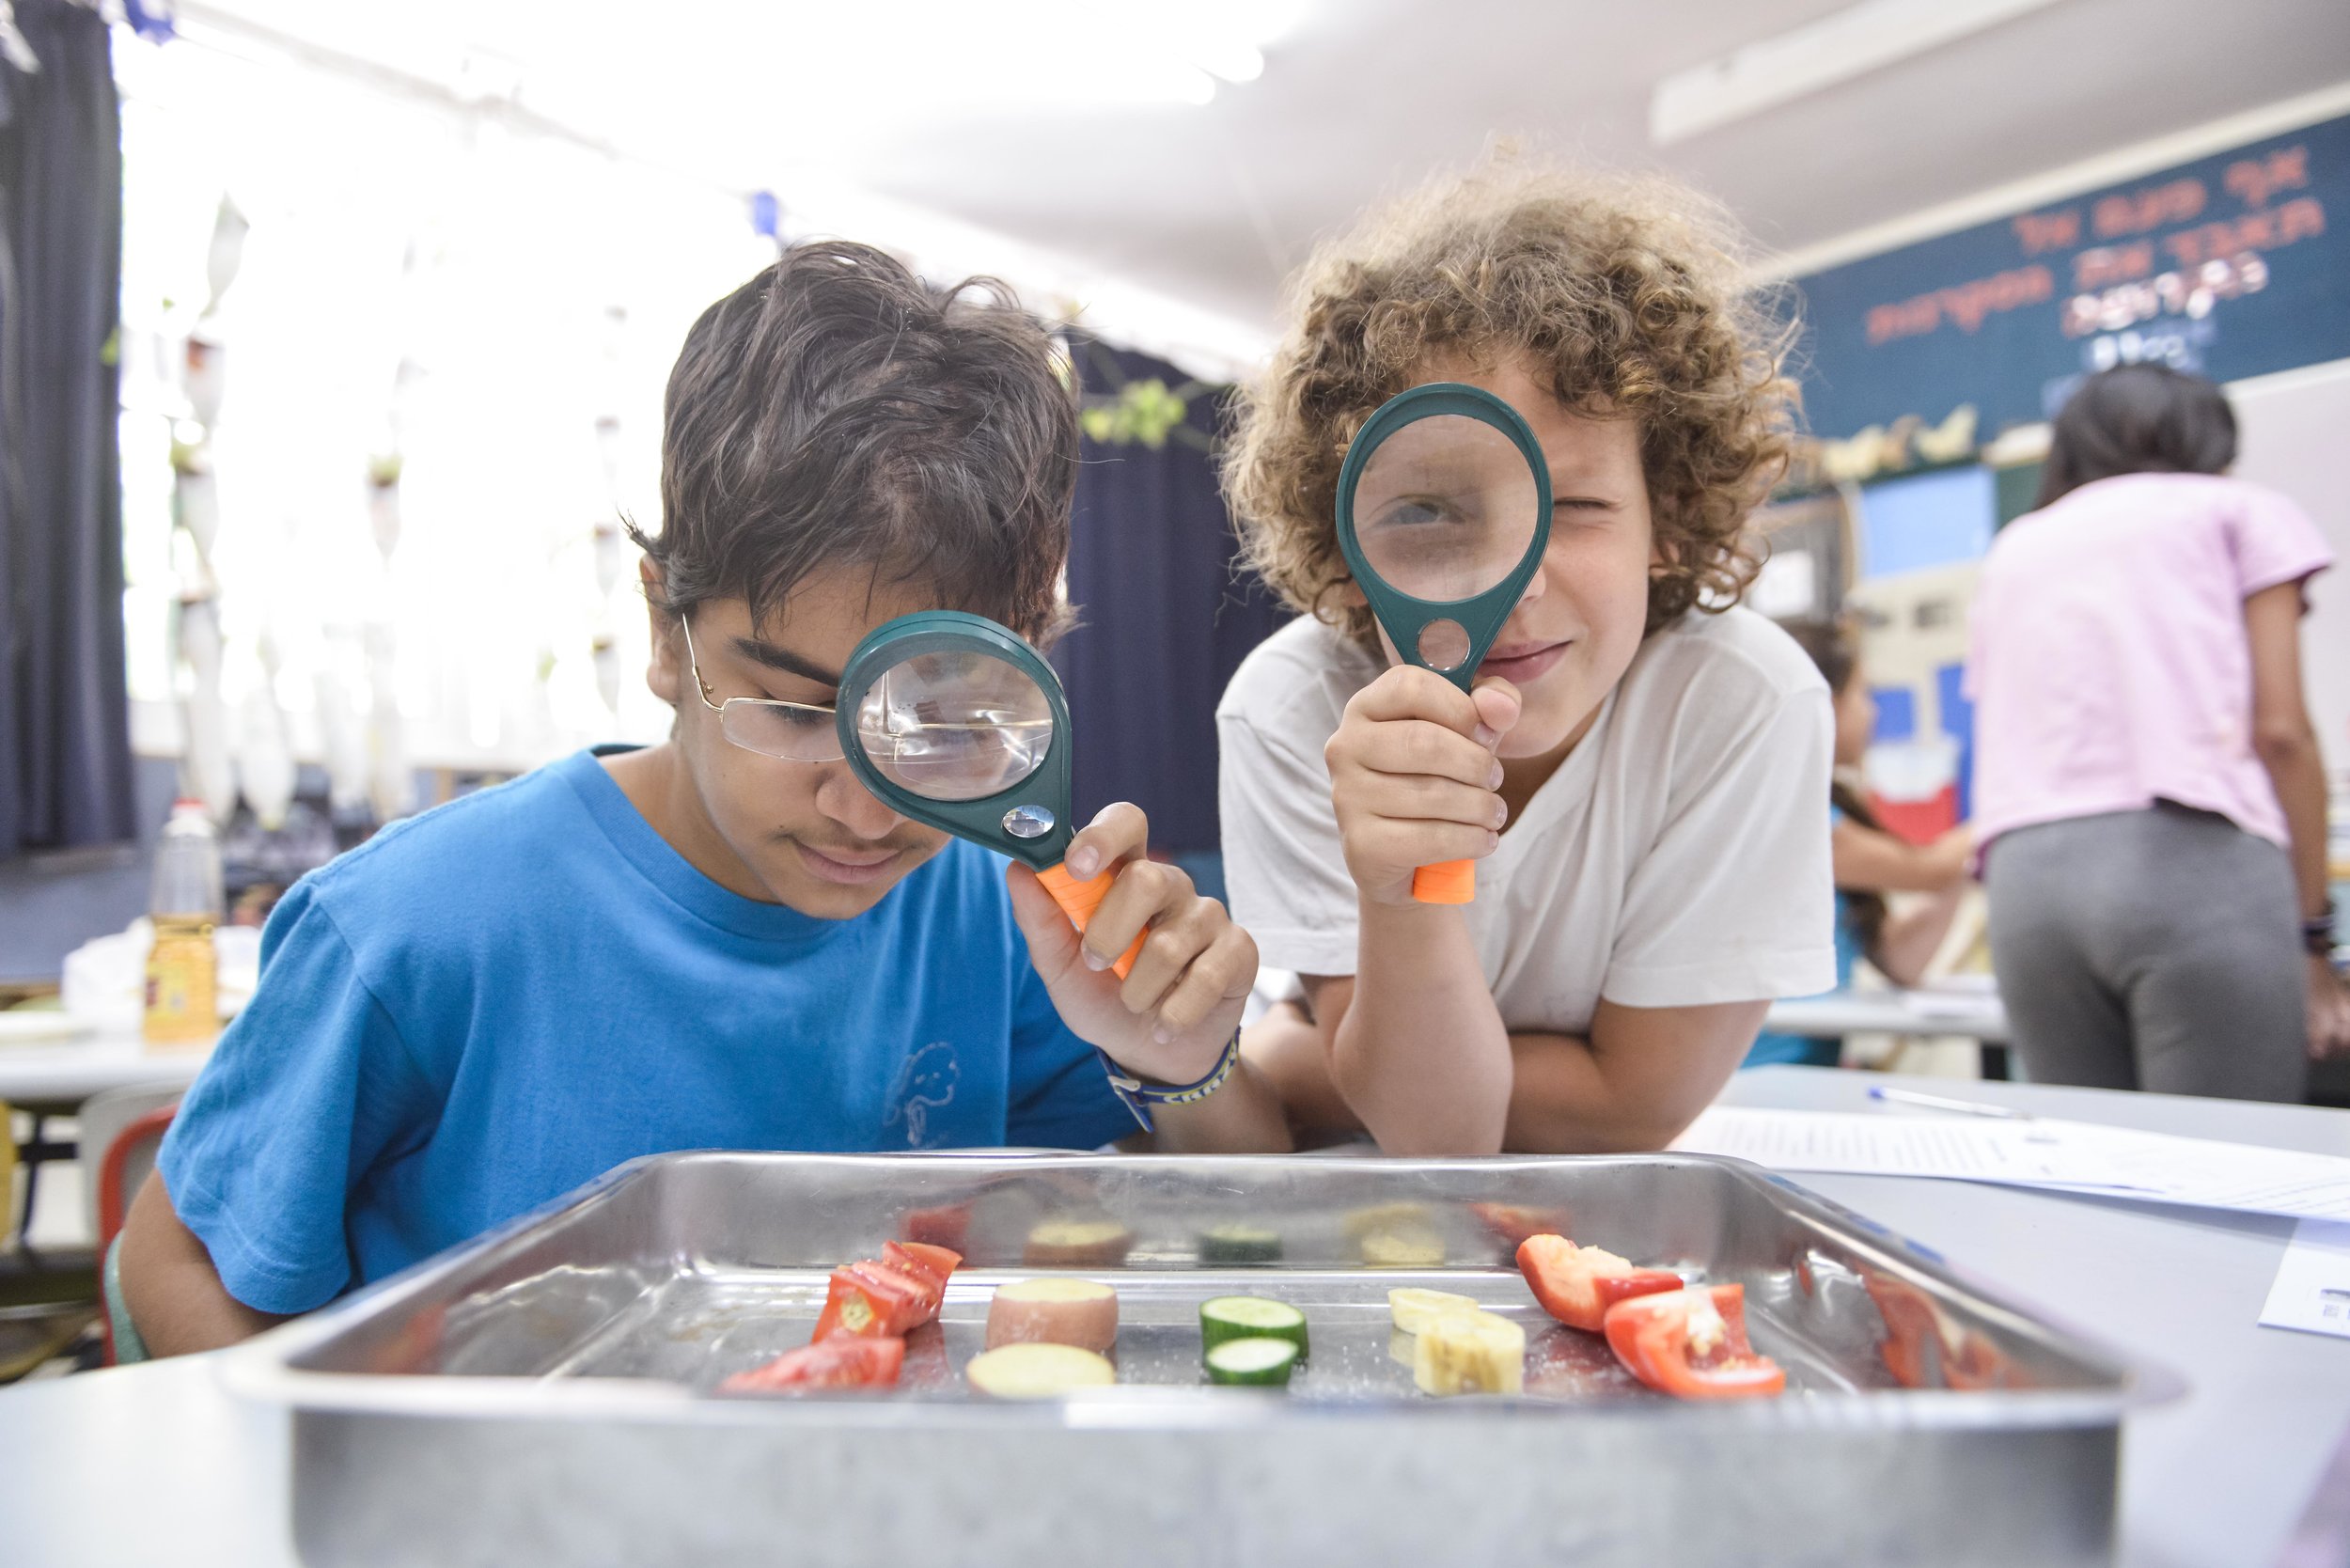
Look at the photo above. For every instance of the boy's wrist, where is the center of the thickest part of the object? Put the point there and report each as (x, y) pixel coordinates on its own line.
(1139, 1093)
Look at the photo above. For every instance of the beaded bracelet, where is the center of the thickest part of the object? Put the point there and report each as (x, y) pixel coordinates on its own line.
(1138, 1096)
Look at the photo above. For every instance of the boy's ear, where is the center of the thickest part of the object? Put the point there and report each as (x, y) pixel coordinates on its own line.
(664, 672)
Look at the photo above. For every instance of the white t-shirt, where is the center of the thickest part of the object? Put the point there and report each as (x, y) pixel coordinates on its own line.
(1678, 857)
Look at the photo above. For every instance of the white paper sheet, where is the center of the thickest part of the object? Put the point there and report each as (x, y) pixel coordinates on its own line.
(2312, 1288)
(2047, 1152)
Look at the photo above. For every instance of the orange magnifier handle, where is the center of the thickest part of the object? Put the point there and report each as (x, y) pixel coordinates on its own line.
(1446, 882)
(1079, 899)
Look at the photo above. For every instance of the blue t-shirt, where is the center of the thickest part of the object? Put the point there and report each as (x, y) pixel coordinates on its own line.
(489, 1004)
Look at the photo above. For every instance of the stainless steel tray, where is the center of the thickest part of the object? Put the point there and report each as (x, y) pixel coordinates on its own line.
(541, 1394)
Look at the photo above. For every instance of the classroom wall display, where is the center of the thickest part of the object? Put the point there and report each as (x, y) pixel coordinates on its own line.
(1921, 521)
(2233, 265)
(1805, 569)
(1913, 655)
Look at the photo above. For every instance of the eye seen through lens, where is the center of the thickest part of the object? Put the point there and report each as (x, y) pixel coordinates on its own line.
(1445, 508)
(955, 725)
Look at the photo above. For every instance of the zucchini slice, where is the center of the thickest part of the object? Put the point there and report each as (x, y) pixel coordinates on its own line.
(1239, 1245)
(1249, 1317)
(1255, 1362)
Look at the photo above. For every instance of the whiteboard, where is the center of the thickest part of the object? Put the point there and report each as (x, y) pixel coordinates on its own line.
(2294, 435)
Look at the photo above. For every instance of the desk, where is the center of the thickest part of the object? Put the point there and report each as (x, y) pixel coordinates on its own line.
(1976, 1015)
(69, 1072)
(2216, 1480)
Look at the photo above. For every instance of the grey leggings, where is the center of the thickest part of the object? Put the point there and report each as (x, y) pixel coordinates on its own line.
(2150, 949)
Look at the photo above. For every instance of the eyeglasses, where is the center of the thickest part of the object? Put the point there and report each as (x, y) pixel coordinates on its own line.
(794, 731)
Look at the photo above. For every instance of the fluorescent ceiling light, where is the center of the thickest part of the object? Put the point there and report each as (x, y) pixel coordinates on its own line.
(1851, 42)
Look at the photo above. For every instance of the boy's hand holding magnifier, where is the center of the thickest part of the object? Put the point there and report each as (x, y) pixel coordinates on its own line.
(1443, 516)
(1415, 778)
(955, 721)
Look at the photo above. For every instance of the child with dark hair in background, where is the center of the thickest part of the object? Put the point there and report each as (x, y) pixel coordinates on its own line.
(721, 941)
(1869, 861)
(2149, 790)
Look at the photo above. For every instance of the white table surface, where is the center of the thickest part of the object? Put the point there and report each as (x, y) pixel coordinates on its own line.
(156, 1464)
(1974, 1015)
(74, 1070)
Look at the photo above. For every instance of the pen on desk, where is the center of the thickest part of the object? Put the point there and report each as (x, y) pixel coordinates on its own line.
(1937, 1101)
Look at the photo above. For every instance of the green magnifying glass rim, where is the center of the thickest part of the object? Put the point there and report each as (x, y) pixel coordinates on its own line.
(1481, 615)
(1048, 785)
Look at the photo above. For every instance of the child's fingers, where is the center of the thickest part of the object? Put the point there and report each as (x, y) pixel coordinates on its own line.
(1052, 940)
(1416, 746)
(1497, 703)
(1180, 930)
(1386, 841)
(1117, 832)
(1217, 978)
(1419, 798)
(1409, 692)
(1144, 889)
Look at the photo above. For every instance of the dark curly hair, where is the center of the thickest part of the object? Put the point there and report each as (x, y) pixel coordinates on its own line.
(1629, 294)
(834, 410)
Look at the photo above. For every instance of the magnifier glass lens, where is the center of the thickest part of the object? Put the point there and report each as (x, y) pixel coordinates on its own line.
(955, 725)
(1445, 508)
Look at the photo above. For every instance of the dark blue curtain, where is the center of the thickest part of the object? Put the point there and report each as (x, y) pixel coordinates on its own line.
(1165, 614)
(65, 743)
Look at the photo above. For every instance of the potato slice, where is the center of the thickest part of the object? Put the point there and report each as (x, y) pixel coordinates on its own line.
(1413, 1308)
(1077, 1243)
(1059, 1311)
(1470, 1353)
(1038, 1372)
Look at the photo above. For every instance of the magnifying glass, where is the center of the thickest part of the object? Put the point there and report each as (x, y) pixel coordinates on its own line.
(1444, 513)
(956, 722)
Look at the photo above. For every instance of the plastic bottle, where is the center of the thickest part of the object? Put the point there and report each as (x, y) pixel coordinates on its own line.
(183, 973)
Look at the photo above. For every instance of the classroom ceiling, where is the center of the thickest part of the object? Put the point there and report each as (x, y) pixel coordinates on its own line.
(990, 121)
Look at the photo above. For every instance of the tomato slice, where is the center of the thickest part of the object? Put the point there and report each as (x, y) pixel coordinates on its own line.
(937, 1262)
(1692, 1344)
(1920, 1338)
(868, 1298)
(942, 1227)
(1513, 1224)
(844, 1360)
(1577, 1284)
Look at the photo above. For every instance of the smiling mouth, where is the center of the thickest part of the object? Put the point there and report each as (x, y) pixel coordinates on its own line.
(1524, 660)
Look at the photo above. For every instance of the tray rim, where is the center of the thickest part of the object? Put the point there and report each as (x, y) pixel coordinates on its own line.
(263, 1371)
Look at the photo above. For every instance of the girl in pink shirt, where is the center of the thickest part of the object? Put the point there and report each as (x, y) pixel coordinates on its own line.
(2148, 790)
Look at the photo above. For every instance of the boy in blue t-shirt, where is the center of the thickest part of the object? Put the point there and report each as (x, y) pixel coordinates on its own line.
(722, 940)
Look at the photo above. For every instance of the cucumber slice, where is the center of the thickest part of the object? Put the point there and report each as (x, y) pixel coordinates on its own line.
(1249, 1317)
(1239, 1245)
(1255, 1362)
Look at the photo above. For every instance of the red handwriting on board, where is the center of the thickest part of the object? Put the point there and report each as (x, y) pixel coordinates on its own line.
(2254, 179)
(2302, 218)
(1967, 305)
(2039, 231)
(2153, 207)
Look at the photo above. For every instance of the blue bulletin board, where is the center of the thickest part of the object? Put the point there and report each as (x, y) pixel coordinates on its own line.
(2231, 266)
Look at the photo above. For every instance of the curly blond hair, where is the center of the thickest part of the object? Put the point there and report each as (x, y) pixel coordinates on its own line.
(1631, 292)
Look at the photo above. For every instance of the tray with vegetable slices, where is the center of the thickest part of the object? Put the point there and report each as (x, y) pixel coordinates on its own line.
(997, 1359)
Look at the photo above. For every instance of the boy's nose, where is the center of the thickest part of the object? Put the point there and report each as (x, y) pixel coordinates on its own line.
(850, 804)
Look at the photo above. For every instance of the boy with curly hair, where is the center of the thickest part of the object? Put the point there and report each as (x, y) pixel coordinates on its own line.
(1641, 761)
